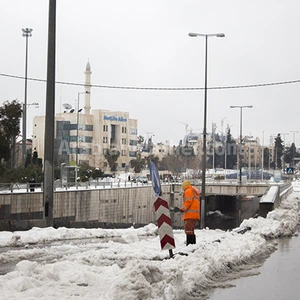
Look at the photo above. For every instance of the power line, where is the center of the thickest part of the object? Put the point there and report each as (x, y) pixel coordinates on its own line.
(159, 88)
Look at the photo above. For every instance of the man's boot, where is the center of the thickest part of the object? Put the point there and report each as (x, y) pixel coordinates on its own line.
(194, 239)
(189, 239)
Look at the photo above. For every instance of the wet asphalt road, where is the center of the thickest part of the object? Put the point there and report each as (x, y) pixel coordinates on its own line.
(278, 279)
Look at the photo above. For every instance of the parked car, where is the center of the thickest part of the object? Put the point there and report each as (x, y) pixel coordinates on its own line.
(133, 179)
(142, 179)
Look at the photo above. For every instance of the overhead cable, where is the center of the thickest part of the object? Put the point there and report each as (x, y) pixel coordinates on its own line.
(159, 88)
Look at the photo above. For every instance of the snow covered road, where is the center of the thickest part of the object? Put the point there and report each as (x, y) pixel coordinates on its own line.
(48, 263)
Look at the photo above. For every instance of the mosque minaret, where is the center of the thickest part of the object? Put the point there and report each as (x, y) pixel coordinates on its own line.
(86, 137)
(87, 103)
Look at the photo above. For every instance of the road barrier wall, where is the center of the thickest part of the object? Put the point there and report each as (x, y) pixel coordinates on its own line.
(109, 207)
(273, 197)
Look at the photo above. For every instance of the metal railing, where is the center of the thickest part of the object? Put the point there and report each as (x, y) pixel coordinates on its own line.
(58, 186)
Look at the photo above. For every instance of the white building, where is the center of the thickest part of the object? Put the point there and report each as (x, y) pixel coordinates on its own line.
(162, 149)
(87, 136)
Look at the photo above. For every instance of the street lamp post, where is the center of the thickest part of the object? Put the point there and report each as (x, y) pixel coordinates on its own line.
(294, 131)
(262, 157)
(241, 135)
(26, 34)
(77, 122)
(206, 36)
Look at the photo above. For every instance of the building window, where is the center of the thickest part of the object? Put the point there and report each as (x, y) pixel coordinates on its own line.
(81, 151)
(123, 152)
(132, 153)
(123, 165)
(133, 142)
(133, 131)
(105, 139)
(105, 164)
(105, 151)
(124, 130)
(80, 127)
(105, 127)
(123, 141)
(82, 139)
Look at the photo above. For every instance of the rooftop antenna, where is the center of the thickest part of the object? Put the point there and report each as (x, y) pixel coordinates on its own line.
(186, 127)
(222, 123)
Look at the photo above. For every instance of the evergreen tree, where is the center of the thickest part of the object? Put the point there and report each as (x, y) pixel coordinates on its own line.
(266, 157)
(231, 151)
(35, 157)
(28, 160)
(138, 164)
(290, 154)
(96, 173)
(10, 114)
(278, 151)
(112, 156)
(153, 158)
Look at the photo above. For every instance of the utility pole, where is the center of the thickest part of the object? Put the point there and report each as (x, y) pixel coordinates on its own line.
(294, 131)
(241, 136)
(262, 157)
(26, 34)
(50, 118)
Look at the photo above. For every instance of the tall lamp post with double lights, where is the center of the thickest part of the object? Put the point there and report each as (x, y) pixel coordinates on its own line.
(26, 34)
(241, 135)
(78, 111)
(206, 36)
(294, 131)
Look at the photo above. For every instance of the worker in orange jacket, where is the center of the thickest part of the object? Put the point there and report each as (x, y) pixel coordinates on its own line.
(191, 210)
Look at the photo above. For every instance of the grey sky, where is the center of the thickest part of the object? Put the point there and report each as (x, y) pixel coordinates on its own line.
(146, 44)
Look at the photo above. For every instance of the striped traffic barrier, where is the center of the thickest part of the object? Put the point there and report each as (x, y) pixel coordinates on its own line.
(164, 224)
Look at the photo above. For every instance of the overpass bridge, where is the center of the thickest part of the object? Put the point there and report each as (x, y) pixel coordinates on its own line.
(236, 189)
(121, 205)
(227, 204)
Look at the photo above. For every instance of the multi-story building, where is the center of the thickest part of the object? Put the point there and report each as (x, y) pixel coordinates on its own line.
(251, 152)
(162, 149)
(87, 136)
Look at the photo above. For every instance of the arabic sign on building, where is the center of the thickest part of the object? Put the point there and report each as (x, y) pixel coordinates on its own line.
(114, 118)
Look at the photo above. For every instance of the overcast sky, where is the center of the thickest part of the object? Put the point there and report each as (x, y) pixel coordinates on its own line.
(146, 44)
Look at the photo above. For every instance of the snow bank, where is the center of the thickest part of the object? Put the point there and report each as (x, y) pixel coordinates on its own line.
(135, 267)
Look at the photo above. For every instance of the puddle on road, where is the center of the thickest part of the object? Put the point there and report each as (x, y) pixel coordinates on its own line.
(278, 276)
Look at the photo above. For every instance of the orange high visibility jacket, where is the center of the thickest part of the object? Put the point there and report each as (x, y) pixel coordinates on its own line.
(191, 203)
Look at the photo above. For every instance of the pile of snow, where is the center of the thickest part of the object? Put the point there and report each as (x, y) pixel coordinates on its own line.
(128, 263)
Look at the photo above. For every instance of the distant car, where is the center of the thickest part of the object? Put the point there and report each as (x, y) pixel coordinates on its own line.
(142, 179)
(133, 179)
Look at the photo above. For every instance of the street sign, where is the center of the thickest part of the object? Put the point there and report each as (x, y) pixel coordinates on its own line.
(277, 175)
(290, 171)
